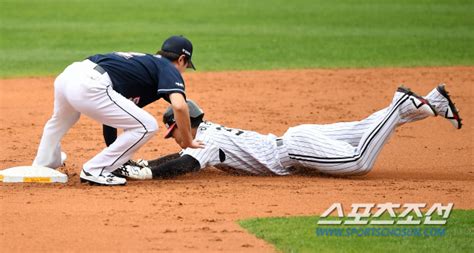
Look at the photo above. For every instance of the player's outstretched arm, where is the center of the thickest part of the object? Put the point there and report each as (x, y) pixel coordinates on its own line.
(175, 167)
(163, 159)
(165, 167)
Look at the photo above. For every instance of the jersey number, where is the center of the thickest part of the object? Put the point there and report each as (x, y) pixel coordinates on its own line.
(236, 131)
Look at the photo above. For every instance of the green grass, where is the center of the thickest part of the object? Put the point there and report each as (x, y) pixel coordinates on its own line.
(42, 37)
(298, 234)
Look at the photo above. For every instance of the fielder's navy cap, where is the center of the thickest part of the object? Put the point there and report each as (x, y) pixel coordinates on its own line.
(179, 45)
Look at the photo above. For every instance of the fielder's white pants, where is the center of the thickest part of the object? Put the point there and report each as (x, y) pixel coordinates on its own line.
(81, 89)
(347, 148)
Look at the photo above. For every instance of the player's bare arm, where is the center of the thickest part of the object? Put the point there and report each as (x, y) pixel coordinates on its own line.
(181, 112)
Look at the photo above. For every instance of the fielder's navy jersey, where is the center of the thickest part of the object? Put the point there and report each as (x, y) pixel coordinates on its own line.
(142, 78)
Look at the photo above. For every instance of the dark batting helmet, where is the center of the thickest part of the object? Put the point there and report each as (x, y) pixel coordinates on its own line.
(196, 115)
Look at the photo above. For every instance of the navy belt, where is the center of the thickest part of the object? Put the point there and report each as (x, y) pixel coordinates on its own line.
(99, 69)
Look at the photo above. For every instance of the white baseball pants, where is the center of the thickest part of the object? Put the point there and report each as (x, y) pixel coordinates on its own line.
(81, 89)
(346, 148)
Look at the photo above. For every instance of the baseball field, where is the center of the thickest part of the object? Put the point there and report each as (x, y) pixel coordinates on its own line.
(263, 66)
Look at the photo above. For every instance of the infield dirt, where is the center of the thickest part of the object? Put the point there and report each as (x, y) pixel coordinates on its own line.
(427, 161)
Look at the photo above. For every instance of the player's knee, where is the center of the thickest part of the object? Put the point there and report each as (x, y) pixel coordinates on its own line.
(363, 168)
(360, 168)
(151, 126)
(363, 171)
(146, 126)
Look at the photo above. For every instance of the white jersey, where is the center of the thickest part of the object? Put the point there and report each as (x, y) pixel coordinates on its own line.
(238, 149)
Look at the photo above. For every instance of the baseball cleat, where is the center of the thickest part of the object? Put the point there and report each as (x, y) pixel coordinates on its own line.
(134, 170)
(416, 107)
(108, 179)
(444, 106)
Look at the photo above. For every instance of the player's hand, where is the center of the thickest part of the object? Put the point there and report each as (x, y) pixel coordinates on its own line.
(194, 144)
(197, 144)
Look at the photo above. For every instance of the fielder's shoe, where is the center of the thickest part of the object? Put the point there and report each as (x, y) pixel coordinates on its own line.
(444, 106)
(415, 108)
(107, 179)
(134, 170)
